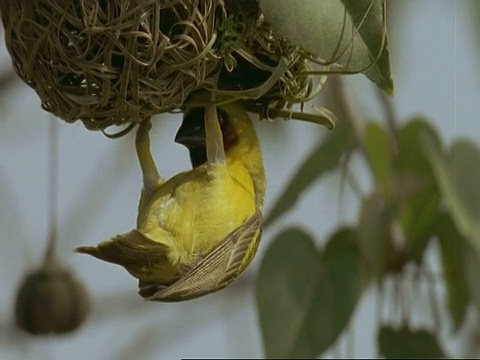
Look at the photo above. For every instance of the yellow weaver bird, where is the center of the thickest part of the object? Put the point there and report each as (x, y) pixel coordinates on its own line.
(197, 231)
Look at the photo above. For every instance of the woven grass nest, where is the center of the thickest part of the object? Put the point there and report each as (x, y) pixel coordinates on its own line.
(118, 62)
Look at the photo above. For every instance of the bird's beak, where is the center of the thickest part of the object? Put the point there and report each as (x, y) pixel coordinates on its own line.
(190, 136)
(192, 132)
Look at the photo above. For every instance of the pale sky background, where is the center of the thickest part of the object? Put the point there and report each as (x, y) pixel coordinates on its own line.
(435, 64)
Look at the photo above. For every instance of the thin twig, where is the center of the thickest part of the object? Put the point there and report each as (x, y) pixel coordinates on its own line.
(350, 350)
(350, 112)
(379, 304)
(406, 301)
(432, 294)
(390, 117)
(53, 189)
(322, 116)
(350, 177)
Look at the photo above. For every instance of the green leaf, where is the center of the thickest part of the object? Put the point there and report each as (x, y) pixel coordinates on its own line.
(416, 186)
(369, 20)
(452, 247)
(373, 231)
(321, 160)
(408, 344)
(350, 33)
(380, 154)
(418, 221)
(411, 148)
(288, 273)
(306, 299)
(457, 174)
(340, 287)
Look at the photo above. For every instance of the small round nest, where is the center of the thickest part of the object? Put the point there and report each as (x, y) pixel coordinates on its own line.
(112, 62)
(51, 299)
(118, 62)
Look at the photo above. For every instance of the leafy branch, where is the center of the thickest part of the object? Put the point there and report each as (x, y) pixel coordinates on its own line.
(422, 193)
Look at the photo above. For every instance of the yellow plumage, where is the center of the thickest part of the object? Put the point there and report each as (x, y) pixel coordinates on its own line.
(198, 230)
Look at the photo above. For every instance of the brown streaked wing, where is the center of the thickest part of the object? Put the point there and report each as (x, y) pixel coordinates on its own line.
(216, 270)
(244, 249)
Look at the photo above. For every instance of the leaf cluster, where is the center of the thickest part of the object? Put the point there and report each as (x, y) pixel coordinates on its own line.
(424, 192)
(424, 196)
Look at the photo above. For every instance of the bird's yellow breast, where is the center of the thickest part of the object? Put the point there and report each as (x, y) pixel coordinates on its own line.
(193, 211)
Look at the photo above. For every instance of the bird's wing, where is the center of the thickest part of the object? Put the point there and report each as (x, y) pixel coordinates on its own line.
(216, 270)
(214, 137)
(245, 244)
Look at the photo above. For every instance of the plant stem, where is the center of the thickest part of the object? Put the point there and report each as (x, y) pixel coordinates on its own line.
(390, 118)
(350, 112)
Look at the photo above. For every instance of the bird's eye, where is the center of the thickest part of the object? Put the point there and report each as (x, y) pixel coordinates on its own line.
(222, 117)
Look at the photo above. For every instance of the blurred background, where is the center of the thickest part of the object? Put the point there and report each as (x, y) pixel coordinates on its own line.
(435, 51)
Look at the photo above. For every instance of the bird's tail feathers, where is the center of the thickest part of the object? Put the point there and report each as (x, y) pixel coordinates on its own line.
(132, 248)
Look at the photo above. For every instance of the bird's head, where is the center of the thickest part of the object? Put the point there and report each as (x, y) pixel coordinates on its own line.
(191, 133)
